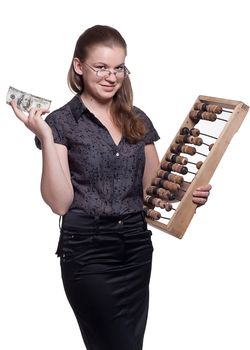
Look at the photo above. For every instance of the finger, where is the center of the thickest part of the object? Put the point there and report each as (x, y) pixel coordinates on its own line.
(38, 112)
(42, 111)
(201, 194)
(199, 201)
(207, 187)
(20, 115)
(34, 115)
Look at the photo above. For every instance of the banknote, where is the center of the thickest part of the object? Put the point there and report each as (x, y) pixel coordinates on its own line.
(26, 101)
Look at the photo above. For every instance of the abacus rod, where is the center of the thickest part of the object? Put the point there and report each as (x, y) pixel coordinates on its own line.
(181, 189)
(213, 137)
(164, 217)
(202, 154)
(224, 120)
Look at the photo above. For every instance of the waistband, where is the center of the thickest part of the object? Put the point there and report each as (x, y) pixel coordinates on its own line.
(76, 220)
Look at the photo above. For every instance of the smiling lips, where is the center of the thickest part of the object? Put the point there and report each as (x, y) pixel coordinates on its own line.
(108, 87)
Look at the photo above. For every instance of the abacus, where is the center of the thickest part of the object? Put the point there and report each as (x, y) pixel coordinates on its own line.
(191, 161)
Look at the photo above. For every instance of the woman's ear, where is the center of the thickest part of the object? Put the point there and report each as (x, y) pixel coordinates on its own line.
(77, 66)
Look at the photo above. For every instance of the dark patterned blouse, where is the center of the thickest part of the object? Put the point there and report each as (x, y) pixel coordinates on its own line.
(107, 178)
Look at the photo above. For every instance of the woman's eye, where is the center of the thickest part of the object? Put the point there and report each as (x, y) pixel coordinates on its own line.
(120, 68)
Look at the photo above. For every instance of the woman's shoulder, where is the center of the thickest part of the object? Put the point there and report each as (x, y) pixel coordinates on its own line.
(62, 114)
(141, 114)
(151, 134)
(139, 111)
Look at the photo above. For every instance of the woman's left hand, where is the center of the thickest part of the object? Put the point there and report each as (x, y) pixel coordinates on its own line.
(201, 194)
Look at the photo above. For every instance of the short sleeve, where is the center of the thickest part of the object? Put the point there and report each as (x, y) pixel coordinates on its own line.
(56, 122)
(151, 134)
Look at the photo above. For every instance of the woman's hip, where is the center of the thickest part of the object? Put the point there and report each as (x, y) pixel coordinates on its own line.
(97, 244)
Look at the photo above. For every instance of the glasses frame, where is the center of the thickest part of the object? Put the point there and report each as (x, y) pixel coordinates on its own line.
(108, 71)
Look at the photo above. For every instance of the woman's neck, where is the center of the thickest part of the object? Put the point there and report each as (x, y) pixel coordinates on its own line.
(95, 106)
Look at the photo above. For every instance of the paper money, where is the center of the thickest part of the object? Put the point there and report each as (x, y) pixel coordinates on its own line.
(26, 101)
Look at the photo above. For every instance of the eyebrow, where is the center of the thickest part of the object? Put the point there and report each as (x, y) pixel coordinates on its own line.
(105, 64)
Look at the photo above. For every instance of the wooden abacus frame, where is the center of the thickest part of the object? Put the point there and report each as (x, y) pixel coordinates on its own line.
(183, 214)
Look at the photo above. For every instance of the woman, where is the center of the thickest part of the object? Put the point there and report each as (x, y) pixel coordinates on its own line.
(98, 156)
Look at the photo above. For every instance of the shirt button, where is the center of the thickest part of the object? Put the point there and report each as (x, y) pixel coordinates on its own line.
(117, 154)
(120, 222)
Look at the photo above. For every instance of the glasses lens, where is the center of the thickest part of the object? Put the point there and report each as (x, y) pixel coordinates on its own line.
(102, 73)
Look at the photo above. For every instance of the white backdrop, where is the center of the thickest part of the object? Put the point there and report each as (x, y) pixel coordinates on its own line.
(177, 50)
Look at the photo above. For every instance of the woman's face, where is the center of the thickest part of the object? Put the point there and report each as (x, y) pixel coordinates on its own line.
(103, 72)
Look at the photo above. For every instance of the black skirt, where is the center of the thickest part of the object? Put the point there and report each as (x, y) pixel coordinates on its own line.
(106, 266)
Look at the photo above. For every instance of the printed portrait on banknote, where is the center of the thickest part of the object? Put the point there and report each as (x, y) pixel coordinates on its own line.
(24, 102)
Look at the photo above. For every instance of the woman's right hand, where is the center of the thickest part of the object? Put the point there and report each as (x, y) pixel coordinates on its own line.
(34, 121)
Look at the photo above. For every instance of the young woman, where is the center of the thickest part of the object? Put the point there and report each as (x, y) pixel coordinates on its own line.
(98, 156)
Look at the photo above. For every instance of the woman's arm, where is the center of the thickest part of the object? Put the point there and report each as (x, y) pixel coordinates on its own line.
(56, 186)
(152, 165)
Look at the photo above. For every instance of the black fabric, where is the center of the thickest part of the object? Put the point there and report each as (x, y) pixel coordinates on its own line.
(106, 266)
(107, 178)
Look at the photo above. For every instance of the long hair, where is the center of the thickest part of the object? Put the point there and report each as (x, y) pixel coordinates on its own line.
(131, 126)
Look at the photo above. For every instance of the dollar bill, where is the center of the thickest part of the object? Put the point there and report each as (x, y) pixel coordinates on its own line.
(26, 101)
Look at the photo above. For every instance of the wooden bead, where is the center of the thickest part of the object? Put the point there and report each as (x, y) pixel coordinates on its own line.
(199, 164)
(152, 214)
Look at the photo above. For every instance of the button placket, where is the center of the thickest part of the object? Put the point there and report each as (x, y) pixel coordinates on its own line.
(117, 162)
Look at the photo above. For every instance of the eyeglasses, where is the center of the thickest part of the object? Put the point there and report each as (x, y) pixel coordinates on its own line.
(121, 72)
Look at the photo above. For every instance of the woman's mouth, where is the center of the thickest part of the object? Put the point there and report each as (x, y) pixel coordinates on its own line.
(108, 87)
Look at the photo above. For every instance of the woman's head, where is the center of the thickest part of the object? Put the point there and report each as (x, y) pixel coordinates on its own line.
(98, 68)
(92, 39)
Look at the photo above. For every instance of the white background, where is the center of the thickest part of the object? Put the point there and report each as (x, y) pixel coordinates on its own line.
(176, 51)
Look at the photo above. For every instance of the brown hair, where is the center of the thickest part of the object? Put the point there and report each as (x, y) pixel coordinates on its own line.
(131, 126)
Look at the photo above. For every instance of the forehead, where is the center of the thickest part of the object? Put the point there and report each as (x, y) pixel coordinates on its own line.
(107, 54)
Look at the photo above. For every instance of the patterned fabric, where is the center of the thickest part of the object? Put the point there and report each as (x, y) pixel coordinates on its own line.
(107, 178)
